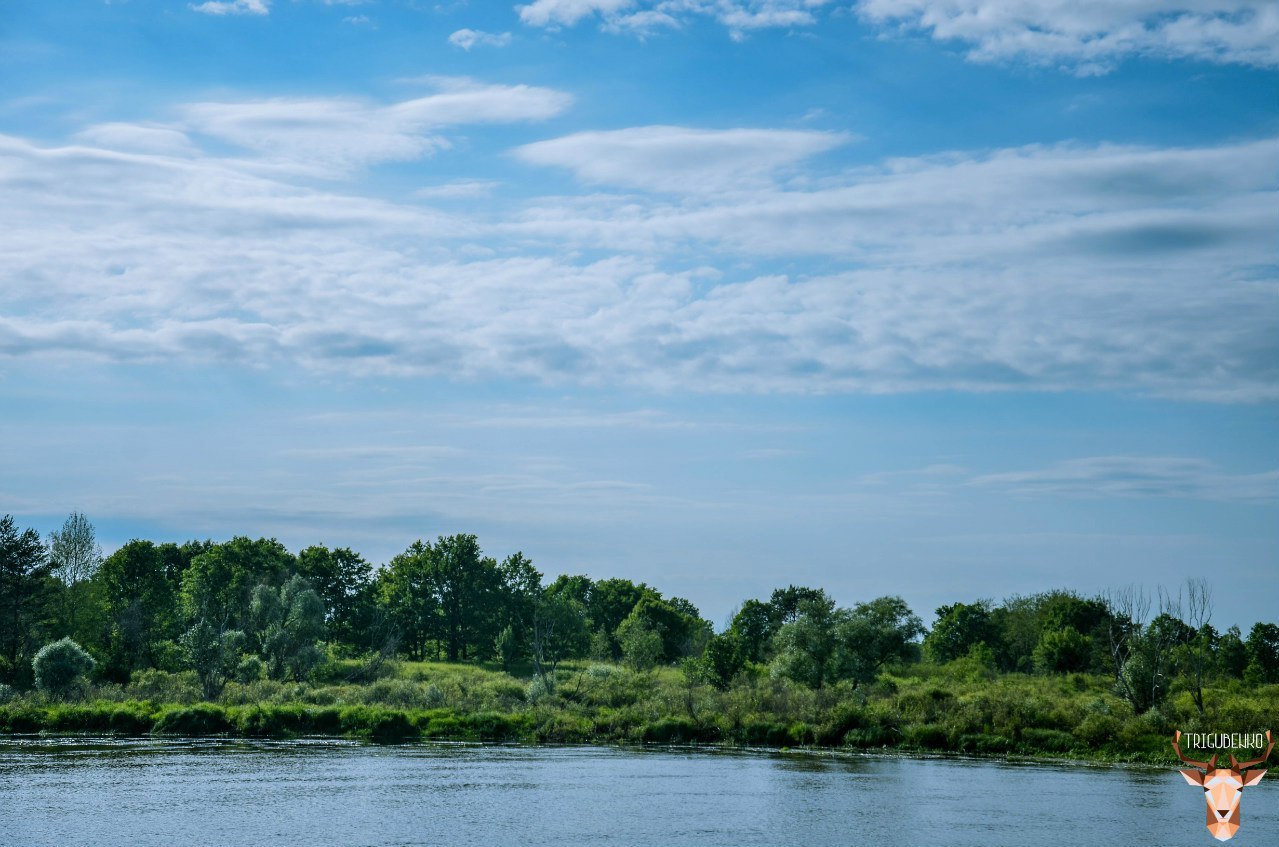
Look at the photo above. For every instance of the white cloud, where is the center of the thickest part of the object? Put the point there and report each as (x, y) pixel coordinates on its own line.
(1136, 477)
(139, 138)
(458, 189)
(468, 38)
(233, 7)
(1046, 268)
(335, 136)
(680, 159)
(1090, 36)
(556, 13)
(1085, 36)
(644, 16)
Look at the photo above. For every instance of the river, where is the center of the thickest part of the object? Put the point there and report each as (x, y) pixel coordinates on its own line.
(63, 792)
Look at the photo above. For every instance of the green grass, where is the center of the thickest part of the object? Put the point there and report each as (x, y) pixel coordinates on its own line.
(922, 708)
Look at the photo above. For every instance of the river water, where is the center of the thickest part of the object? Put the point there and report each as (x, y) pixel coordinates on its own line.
(308, 793)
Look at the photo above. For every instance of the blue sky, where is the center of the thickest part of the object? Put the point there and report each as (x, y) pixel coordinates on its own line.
(944, 298)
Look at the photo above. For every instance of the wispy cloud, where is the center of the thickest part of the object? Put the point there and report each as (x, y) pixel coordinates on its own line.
(1085, 38)
(1136, 477)
(233, 7)
(1146, 270)
(644, 16)
(680, 159)
(1090, 37)
(334, 136)
(469, 38)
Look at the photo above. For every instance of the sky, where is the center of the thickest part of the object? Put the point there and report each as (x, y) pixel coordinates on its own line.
(949, 299)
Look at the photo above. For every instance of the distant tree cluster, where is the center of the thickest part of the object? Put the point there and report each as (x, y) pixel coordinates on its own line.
(248, 609)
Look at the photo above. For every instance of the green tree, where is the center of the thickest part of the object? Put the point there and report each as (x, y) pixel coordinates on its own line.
(75, 556)
(958, 628)
(722, 660)
(287, 626)
(559, 631)
(1263, 653)
(218, 585)
(26, 593)
(61, 666)
(140, 583)
(753, 626)
(808, 647)
(213, 653)
(1064, 650)
(1232, 653)
(341, 578)
(875, 634)
(468, 586)
(406, 589)
(682, 633)
(609, 602)
(641, 644)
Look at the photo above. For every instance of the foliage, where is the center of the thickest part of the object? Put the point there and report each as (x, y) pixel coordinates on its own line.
(213, 654)
(59, 667)
(26, 590)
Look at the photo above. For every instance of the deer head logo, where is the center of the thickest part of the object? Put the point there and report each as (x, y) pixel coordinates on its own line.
(1222, 787)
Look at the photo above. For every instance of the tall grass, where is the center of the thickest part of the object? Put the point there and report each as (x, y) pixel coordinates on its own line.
(953, 708)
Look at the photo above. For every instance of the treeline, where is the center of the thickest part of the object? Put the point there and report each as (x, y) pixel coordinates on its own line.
(245, 610)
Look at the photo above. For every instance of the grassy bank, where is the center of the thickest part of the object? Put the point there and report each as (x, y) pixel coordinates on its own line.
(953, 708)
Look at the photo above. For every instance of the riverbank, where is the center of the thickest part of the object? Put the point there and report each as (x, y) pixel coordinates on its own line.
(945, 709)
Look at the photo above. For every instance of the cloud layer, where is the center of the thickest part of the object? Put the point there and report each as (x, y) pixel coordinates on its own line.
(1129, 269)
(1084, 36)
(1091, 35)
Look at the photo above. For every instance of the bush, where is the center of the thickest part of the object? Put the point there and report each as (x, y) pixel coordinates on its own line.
(202, 719)
(6, 693)
(928, 736)
(1048, 740)
(164, 687)
(60, 666)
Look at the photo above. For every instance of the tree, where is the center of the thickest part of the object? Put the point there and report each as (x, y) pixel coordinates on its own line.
(876, 633)
(213, 653)
(26, 587)
(140, 583)
(1232, 653)
(74, 550)
(641, 644)
(339, 577)
(1143, 653)
(219, 583)
(468, 587)
(1064, 650)
(753, 625)
(958, 628)
(559, 631)
(60, 666)
(609, 602)
(1200, 643)
(287, 626)
(722, 660)
(1263, 654)
(682, 633)
(808, 647)
(406, 590)
(75, 556)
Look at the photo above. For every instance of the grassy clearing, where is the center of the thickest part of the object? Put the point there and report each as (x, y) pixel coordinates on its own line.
(955, 708)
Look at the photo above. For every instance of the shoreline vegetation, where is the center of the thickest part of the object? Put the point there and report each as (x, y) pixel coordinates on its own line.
(246, 639)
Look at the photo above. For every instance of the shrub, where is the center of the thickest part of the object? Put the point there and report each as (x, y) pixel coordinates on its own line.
(1048, 740)
(201, 719)
(164, 687)
(60, 666)
(6, 693)
(927, 735)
